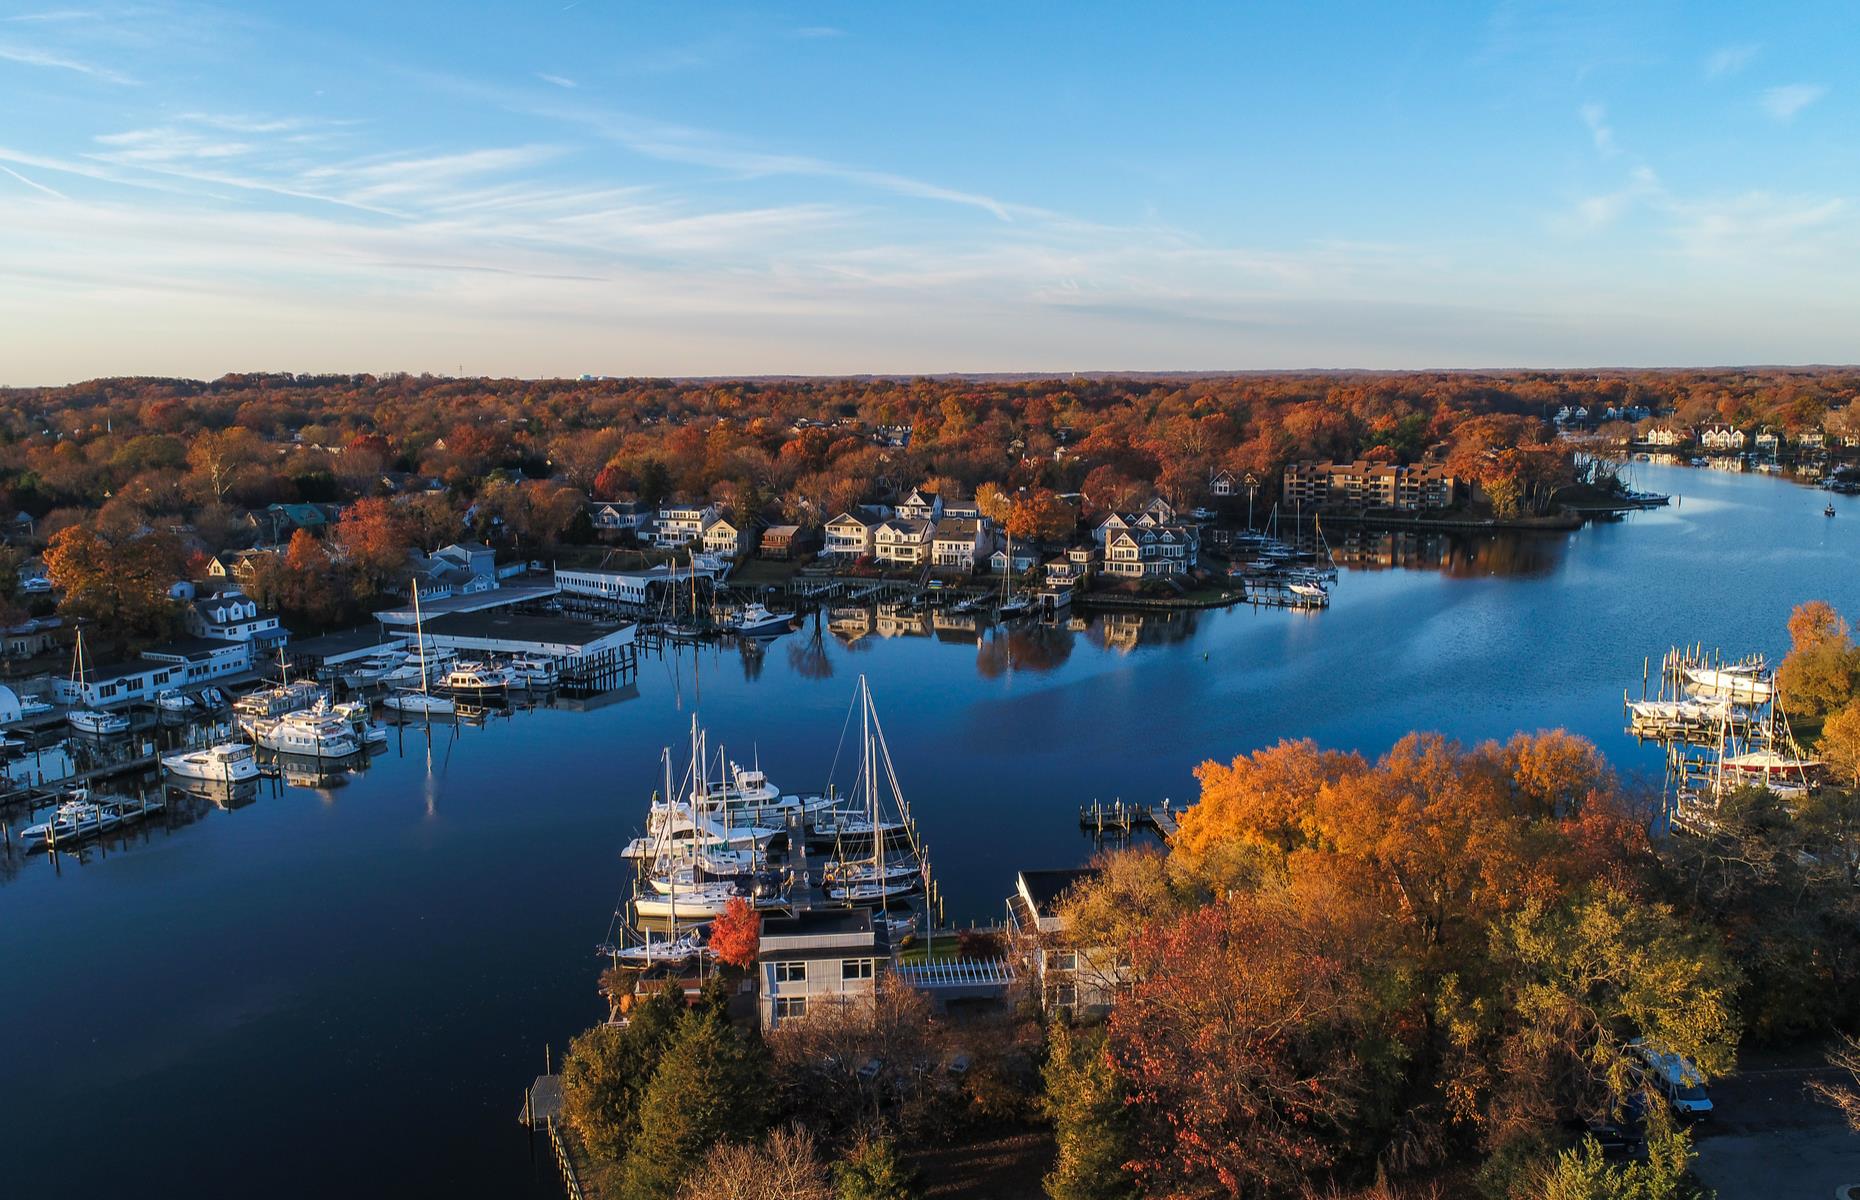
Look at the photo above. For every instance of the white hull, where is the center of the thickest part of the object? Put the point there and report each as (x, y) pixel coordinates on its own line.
(230, 763)
(420, 704)
(98, 723)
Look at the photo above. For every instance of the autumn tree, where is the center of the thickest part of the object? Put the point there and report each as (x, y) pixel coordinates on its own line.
(120, 582)
(1040, 515)
(218, 457)
(1822, 671)
(784, 1166)
(373, 534)
(735, 935)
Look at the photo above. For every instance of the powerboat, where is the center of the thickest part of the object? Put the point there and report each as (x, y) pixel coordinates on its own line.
(375, 668)
(316, 733)
(174, 702)
(229, 762)
(1743, 683)
(33, 706)
(78, 818)
(277, 700)
(361, 716)
(757, 621)
(88, 720)
(476, 678)
(533, 671)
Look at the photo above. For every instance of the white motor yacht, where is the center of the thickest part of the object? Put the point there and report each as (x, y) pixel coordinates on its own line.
(476, 678)
(277, 700)
(33, 706)
(174, 702)
(533, 671)
(86, 720)
(76, 818)
(757, 621)
(229, 762)
(317, 733)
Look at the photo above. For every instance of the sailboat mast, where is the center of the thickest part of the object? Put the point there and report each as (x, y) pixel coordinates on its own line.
(419, 635)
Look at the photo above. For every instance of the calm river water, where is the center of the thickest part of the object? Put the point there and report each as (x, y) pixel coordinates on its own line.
(344, 992)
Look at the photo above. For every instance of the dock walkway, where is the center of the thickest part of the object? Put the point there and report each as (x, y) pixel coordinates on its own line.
(1122, 819)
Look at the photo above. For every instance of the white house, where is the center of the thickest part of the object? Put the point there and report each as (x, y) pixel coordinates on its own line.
(725, 537)
(850, 535)
(818, 957)
(681, 522)
(1222, 483)
(902, 541)
(958, 544)
(921, 505)
(229, 615)
(1146, 551)
(1768, 441)
(1024, 558)
(1722, 437)
(1667, 435)
(620, 516)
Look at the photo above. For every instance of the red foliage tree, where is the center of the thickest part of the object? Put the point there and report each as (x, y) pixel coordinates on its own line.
(736, 934)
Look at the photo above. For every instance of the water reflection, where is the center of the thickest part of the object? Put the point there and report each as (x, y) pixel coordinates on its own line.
(1462, 555)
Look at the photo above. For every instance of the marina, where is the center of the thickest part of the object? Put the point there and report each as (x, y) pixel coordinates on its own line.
(455, 884)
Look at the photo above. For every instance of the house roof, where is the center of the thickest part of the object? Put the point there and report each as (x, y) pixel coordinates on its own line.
(1044, 888)
(859, 519)
(964, 529)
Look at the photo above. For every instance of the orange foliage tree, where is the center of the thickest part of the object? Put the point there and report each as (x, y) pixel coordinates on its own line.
(736, 933)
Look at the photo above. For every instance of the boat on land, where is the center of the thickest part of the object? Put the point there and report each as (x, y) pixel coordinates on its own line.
(229, 762)
(1742, 683)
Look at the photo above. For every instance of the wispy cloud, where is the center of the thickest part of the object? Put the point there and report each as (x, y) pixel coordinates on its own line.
(1729, 60)
(34, 57)
(560, 81)
(1785, 102)
(55, 15)
(38, 187)
(1595, 116)
(1752, 222)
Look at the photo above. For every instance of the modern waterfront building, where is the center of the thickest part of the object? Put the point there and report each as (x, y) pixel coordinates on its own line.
(819, 957)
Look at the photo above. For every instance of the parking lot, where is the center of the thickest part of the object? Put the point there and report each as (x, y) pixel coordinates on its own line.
(1770, 1140)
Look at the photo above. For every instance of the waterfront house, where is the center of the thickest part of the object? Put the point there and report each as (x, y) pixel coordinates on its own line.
(1814, 439)
(1146, 552)
(963, 507)
(725, 538)
(958, 544)
(819, 957)
(850, 535)
(1722, 438)
(223, 612)
(1767, 441)
(789, 541)
(903, 542)
(621, 516)
(1222, 483)
(1668, 435)
(1363, 484)
(921, 505)
(680, 522)
(1019, 561)
(1067, 977)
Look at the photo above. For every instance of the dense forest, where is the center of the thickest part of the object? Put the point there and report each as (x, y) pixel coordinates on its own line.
(158, 474)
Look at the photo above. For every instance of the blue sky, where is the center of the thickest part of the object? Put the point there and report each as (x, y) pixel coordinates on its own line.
(591, 186)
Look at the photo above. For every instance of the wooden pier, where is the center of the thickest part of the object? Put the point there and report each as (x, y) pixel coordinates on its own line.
(1122, 820)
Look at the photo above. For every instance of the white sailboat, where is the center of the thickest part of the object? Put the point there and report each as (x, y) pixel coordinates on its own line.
(886, 875)
(87, 720)
(422, 702)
